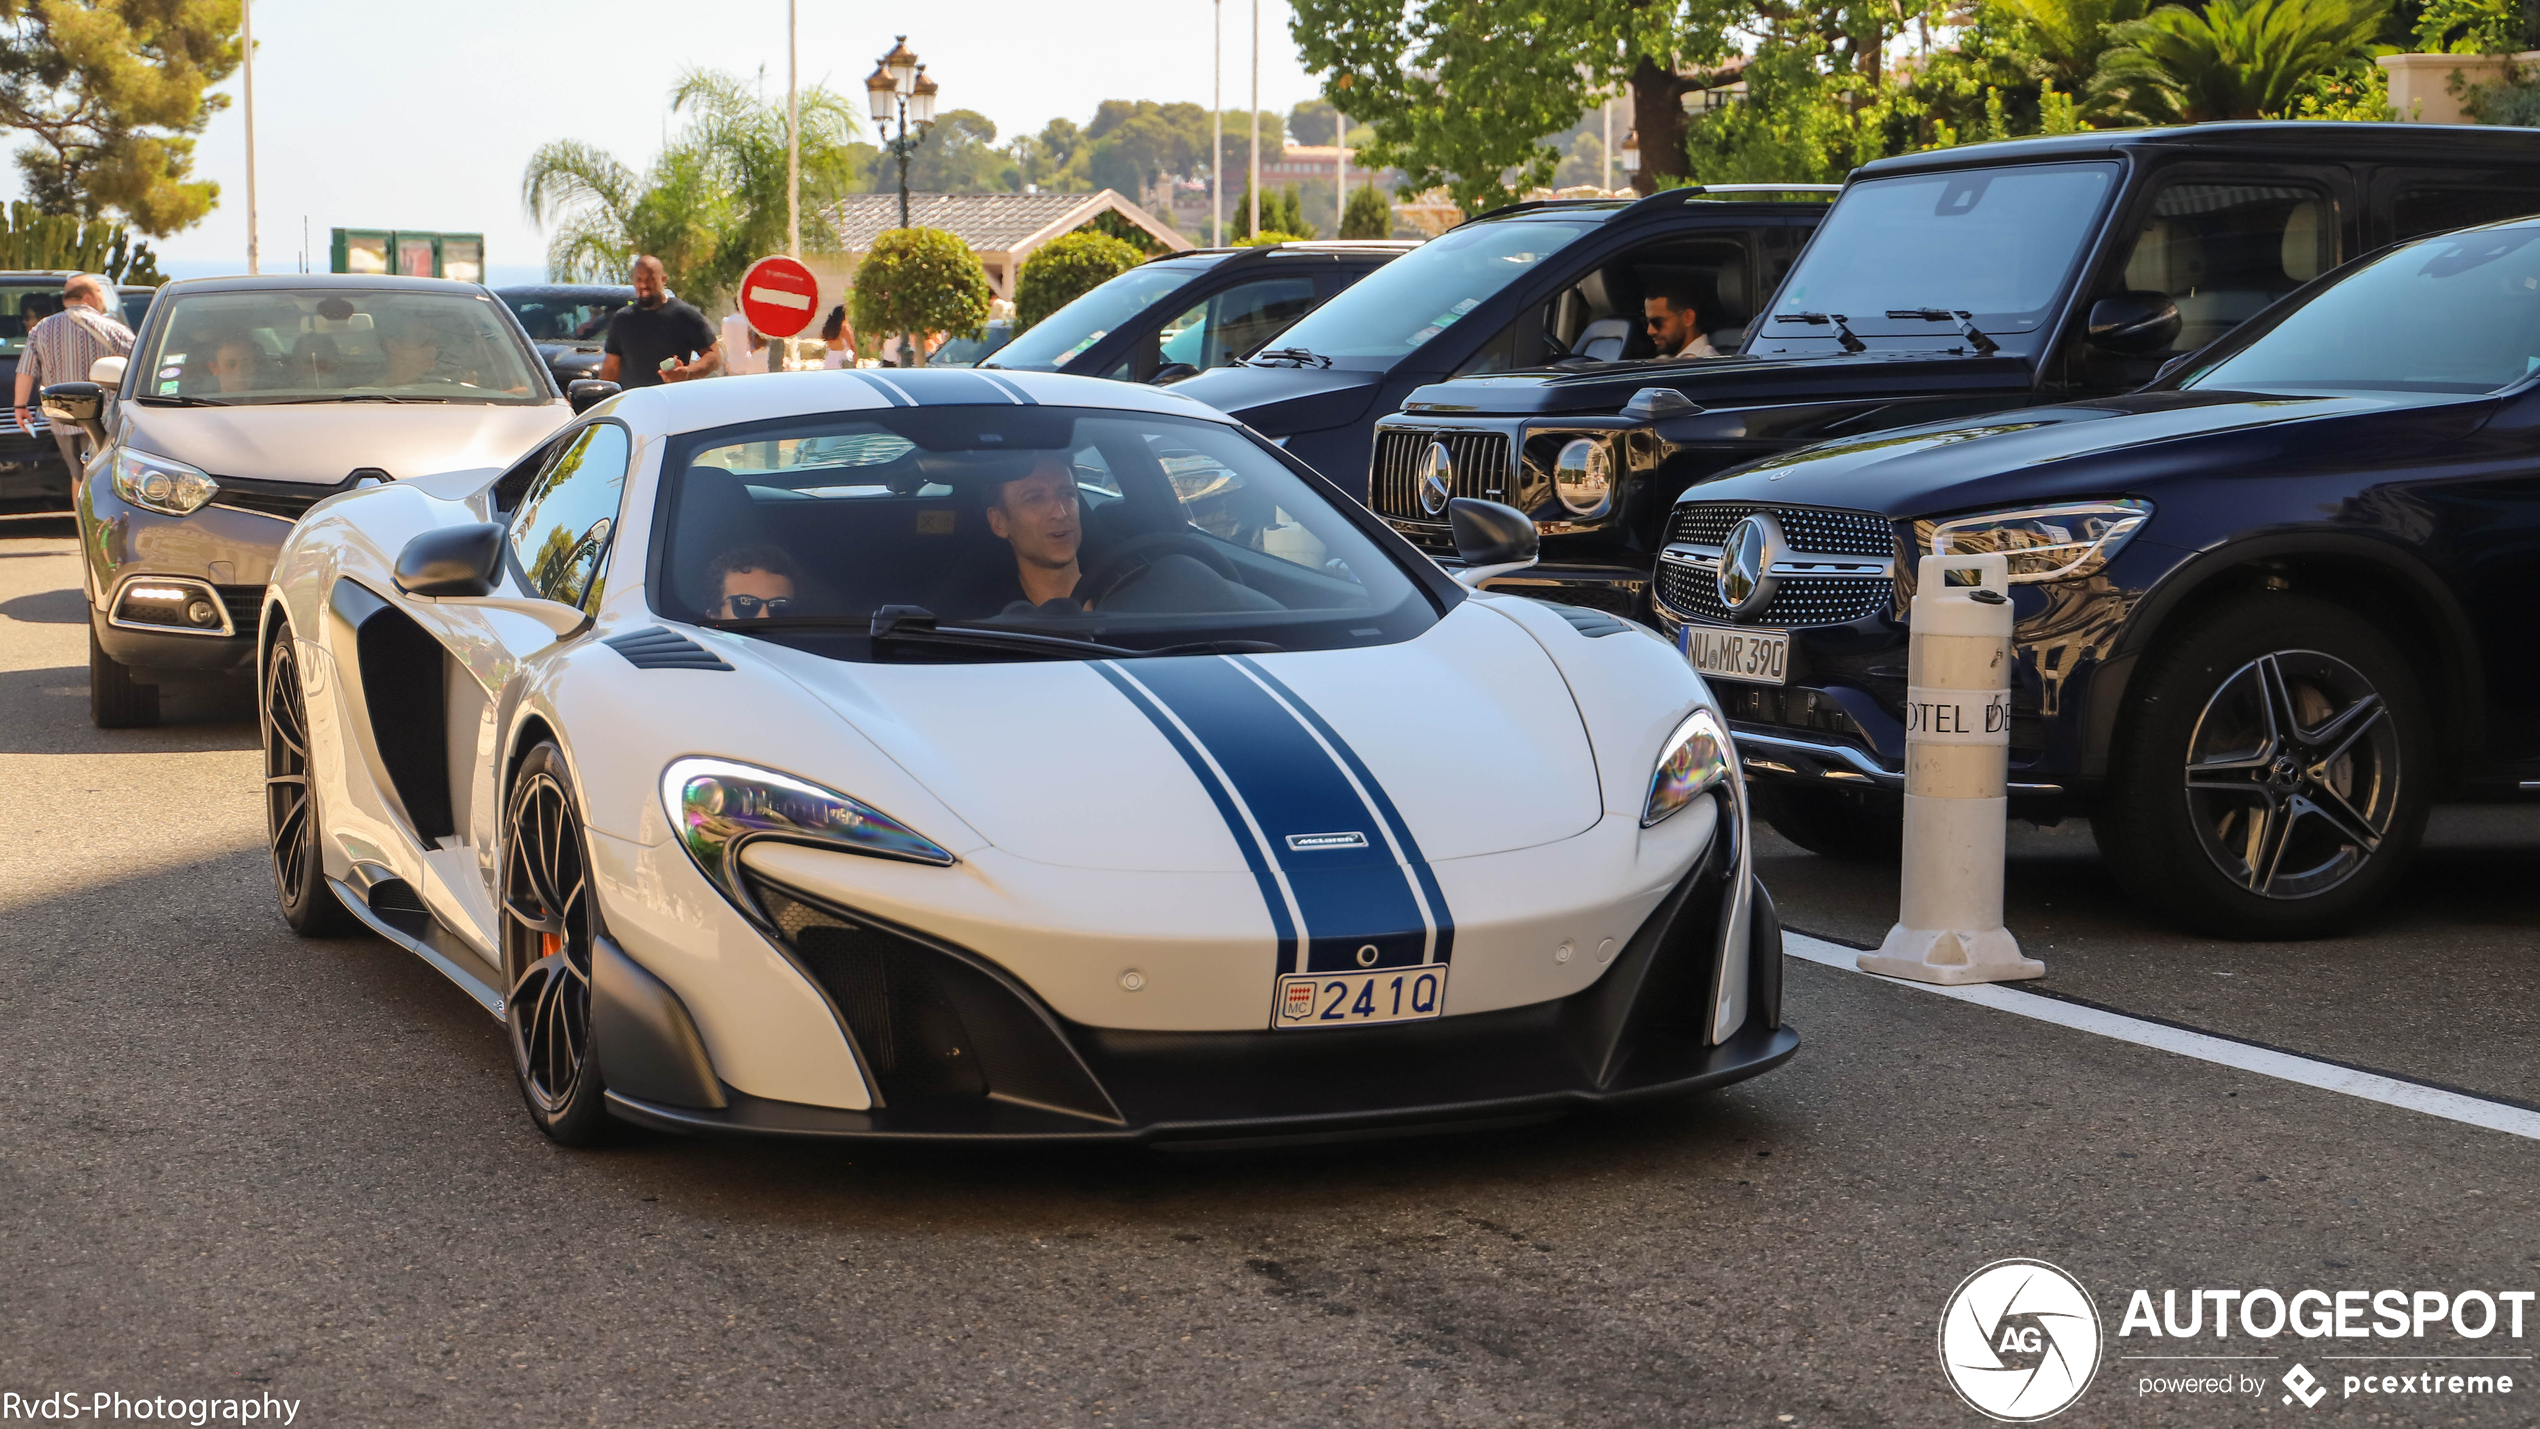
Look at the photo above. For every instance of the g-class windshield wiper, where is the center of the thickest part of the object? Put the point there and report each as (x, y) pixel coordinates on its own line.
(1966, 321)
(1298, 356)
(1842, 333)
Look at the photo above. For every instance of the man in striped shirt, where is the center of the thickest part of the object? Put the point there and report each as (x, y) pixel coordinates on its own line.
(62, 347)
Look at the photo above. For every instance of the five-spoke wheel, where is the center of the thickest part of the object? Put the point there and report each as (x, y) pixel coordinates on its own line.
(2271, 778)
(549, 927)
(291, 811)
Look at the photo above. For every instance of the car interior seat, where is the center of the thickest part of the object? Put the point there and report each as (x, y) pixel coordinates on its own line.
(715, 514)
(316, 361)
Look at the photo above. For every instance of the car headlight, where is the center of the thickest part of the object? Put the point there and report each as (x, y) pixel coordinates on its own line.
(1695, 758)
(719, 806)
(2044, 543)
(154, 483)
(1583, 477)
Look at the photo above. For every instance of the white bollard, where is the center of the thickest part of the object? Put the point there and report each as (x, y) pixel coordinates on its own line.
(1957, 759)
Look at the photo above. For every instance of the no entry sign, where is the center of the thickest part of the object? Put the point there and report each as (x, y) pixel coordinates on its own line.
(778, 296)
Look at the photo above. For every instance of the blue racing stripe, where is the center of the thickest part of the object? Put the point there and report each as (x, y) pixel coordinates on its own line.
(1280, 922)
(1009, 387)
(890, 394)
(1351, 896)
(949, 387)
(1394, 821)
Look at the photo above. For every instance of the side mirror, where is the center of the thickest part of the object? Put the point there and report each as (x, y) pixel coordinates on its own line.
(2134, 323)
(1491, 539)
(107, 372)
(1172, 372)
(452, 561)
(80, 404)
(588, 393)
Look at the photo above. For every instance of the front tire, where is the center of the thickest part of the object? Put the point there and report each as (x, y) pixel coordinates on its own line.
(292, 836)
(115, 699)
(550, 926)
(2273, 776)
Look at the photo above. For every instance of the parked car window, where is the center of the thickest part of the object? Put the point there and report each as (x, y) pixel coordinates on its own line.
(2430, 208)
(2222, 250)
(1421, 294)
(1233, 323)
(1999, 243)
(1049, 343)
(331, 344)
(2457, 313)
(563, 320)
(562, 529)
(1182, 530)
(136, 306)
(21, 308)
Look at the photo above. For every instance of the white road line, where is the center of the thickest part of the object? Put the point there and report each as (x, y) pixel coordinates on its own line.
(2283, 1066)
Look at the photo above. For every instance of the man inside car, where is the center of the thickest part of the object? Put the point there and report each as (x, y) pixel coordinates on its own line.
(1675, 327)
(1037, 515)
(752, 583)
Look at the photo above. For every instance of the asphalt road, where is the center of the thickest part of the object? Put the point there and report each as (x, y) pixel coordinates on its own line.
(233, 1162)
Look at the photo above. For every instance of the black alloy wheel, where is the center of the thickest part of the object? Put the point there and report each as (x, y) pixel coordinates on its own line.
(309, 907)
(2273, 778)
(549, 928)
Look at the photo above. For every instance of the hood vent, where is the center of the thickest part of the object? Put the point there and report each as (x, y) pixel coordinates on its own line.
(654, 648)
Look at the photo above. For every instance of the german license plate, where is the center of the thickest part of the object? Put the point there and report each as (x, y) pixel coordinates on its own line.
(1759, 657)
(1413, 994)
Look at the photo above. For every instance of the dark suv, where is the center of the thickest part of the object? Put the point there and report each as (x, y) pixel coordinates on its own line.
(1551, 281)
(32, 476)
(2269, 608)
(1942, 285)
(1174, 316)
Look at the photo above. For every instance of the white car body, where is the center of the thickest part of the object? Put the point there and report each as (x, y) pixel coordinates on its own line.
(1118, 829)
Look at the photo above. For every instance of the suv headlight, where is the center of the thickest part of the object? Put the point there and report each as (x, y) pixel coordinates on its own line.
(1694, 758)
(154, 483)
(718, 806)
(2044, 543)
(1583, 477)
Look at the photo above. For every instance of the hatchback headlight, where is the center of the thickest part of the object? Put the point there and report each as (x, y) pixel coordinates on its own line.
(2044, 543)
(1583, 477)
(718, 806)
(1695, 758)
(154, 483)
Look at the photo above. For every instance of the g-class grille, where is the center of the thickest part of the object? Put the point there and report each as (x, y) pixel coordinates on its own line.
(1835, 533)
(1393, 484)
(1692, 593)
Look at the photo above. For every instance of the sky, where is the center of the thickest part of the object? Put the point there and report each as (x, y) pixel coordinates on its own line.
(387, 116)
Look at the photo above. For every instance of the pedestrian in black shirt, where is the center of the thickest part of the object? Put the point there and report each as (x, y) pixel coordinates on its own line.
(654, 329)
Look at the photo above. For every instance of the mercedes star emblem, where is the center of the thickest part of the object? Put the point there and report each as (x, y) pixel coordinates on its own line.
(1747, 559)
(1437, 478)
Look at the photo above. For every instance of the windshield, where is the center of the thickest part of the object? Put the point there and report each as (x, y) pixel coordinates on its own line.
(1428, 290)
(21, 308)
(583, 322)
(1136, 533)
(335, 344)
(2459, 313)
(968, 351)
(1997, 243)
(1047, 344)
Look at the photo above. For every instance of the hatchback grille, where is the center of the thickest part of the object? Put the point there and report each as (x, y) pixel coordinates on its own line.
(1393, 484)
(1831, 533)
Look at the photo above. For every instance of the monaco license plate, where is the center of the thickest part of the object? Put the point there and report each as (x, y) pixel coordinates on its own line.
(1758, 656)
(1412, 994)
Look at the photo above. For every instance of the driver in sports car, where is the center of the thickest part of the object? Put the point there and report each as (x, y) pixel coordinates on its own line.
(1038, 515)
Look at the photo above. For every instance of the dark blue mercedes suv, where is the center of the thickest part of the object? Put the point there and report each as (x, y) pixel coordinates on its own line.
(2270, 606)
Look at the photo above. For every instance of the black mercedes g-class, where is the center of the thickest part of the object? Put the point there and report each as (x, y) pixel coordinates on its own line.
(1942, 285)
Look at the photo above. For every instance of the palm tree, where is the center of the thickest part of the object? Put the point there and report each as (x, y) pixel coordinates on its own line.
(709, 206)
(2070, 35)
(2239, 59)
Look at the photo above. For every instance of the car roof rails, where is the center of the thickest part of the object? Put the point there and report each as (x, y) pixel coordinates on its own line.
(1524, 205)
(1670, 198)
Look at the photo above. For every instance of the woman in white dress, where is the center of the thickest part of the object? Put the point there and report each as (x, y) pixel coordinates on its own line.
(838, 343)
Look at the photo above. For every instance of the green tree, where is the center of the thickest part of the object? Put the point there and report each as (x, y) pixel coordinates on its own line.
(2469, 27)
(958, 155)
(2237, 59)
(1368, 215)
(1065, 269)
(112, 93)
(714, 201)
(32, 239)
(2067, 37)
(917, 281)
(1282, 214)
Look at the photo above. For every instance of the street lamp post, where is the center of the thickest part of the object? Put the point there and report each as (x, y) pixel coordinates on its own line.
(900, 92)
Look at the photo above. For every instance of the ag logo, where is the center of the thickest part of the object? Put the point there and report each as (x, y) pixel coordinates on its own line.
(2020, 1341)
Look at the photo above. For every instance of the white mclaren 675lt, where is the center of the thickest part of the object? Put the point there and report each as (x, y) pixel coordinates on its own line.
(940, 755)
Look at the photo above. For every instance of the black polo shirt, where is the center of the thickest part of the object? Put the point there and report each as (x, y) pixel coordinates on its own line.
(641, 337)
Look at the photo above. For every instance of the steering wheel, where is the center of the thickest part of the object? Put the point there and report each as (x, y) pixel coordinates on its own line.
(1131, 558)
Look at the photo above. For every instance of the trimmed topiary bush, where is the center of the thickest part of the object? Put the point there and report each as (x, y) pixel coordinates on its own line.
(1065, 269)
(919, 280)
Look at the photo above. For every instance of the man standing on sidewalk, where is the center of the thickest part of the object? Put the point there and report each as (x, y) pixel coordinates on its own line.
(61, 349)
(657, 338)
